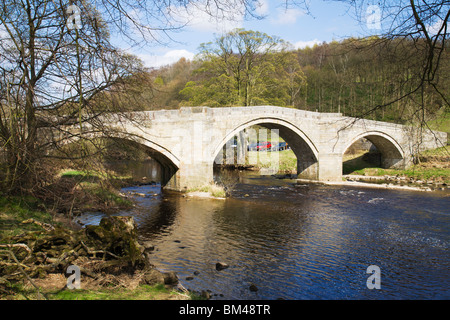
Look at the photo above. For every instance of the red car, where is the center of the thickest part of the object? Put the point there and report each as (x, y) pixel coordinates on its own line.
(263, 146)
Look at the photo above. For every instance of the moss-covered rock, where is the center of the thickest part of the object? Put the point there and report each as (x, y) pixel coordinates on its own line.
(117, 235)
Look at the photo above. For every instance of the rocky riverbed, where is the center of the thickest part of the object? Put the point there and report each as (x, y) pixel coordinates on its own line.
(398, 182)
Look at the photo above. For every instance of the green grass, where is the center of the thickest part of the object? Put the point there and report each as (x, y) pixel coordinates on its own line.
(212, 188)
(443, 151)
(81, 176)
(357, 164)
(142, 292)
(434, 166)
(93, 182)
(87, 175)
(417, 172)
(442, 123)
(14, 210)
(287, 161)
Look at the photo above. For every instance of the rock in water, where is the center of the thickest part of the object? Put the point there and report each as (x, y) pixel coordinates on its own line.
(221, 265)
(170, 278)
(253, 288)
(117, 235)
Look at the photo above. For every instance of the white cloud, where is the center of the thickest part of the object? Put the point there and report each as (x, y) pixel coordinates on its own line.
(172, 56)
(262, 8)
(208, 17)
(287, 16)
(304, 44)
(434, 28)
(3, 32)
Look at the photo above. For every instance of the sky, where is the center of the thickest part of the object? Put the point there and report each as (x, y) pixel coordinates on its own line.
(325, 21)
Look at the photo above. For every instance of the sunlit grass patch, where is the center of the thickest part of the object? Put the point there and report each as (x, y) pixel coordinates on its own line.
(142, 292)
(284, 161)
(14, 210)
(212, 189)
(91, 174)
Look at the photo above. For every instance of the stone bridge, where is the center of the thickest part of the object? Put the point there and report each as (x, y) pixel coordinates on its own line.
(187, 141)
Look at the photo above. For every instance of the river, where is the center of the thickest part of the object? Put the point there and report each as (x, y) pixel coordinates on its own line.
(298, 241)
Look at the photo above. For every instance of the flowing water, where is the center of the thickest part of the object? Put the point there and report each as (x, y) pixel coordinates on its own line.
(294, 241)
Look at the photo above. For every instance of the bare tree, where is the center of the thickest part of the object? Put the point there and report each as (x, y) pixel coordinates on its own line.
(58, 65)
(422, 26)
(50, 76)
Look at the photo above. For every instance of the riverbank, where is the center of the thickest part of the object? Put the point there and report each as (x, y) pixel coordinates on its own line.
(399, 182)
(432, 173)
(374, 182)
(37, 247)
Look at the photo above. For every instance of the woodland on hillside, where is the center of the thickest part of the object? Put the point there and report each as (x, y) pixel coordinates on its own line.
(351, 77)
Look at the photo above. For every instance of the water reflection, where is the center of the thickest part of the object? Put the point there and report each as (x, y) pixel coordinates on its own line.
(299, 241)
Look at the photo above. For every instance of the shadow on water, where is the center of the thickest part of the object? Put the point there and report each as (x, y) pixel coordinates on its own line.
(294, 241)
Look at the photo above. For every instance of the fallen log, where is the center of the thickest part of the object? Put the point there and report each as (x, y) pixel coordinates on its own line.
(45, 226)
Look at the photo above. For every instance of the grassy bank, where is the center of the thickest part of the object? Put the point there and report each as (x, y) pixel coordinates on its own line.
(417, 173)
(129, 285)
(76, 191)
(142, 292)
(15, 210)
(55, 290)
(433, 166)
(286, 162)
(89, 191)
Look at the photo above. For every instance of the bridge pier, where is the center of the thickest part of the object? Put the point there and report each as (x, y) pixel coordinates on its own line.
(330, 167)
(190, 176)
(307, 170)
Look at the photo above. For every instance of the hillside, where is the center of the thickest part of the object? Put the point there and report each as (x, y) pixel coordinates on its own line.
(374, 79)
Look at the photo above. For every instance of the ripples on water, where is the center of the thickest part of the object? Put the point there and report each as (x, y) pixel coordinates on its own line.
(300, 241)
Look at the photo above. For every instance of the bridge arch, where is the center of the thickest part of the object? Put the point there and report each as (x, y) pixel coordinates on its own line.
(158, 151)
(302, 146)
(169, 163)
(392, 153)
